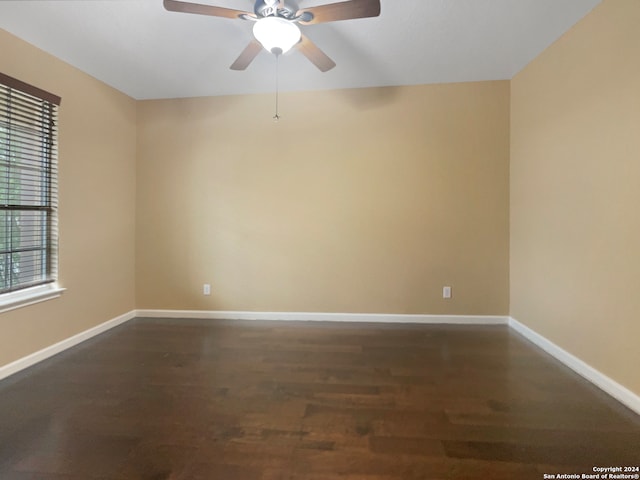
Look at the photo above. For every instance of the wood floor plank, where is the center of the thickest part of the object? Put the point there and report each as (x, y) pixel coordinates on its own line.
(185, 399)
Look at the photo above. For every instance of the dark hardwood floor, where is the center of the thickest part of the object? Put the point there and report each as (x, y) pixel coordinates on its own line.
(190, 399)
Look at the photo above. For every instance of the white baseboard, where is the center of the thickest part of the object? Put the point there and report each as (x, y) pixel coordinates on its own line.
(40, 355)
(328, 317)
(599, 379)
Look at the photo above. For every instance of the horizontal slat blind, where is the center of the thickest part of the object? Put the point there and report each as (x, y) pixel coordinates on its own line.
(28, 185)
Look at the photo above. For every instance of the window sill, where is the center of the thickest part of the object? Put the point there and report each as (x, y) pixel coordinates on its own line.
(29, 296)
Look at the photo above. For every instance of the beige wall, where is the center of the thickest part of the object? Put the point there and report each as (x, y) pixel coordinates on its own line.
(356, 201)
(575, 192)
(97, 141)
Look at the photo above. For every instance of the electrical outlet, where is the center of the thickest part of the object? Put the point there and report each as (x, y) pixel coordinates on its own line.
(206, 289)
(446, 292)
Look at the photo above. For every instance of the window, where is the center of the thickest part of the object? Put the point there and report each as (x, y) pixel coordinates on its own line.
(28, 186)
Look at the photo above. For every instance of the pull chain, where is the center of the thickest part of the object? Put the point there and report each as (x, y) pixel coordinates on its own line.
(276, 117)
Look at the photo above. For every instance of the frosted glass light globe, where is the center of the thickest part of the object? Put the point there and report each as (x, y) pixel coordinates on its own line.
(276, 34)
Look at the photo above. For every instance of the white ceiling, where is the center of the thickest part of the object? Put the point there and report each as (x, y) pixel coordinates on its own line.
(141, 49)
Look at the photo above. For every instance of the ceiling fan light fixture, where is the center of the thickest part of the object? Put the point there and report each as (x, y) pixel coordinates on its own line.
(276, 34)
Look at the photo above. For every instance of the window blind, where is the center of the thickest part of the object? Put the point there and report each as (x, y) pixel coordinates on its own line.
(28, 185)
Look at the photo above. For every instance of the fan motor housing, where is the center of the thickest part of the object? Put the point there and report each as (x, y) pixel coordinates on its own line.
(266, 8)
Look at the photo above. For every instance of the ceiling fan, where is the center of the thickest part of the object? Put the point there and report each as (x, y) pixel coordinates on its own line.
(276, 25)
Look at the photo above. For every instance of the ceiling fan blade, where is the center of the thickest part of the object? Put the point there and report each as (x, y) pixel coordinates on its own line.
(247, 56)
(315, 55)
(333, 12)
(187, 7)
